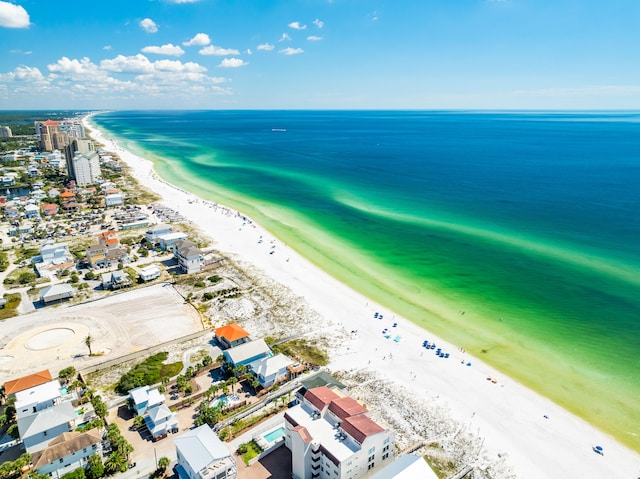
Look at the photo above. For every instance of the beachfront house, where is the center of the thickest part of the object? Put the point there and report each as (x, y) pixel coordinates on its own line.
(332, 436)
(201, 455)
(57, 292)
(231, 335)
(160, 421)
(246, 353)
(25, 382)
(166, 241)
(67, 452)
(156, 231)
(149, 273)
(36, 430)
(115, 280)
(271, 370)
(189, 256)
(143, 398)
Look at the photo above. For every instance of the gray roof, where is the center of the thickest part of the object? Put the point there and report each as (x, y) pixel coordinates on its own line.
(322, 379)
(57, 289)
(248, 350)
(46, 419)
(201, 447)
(159, 412)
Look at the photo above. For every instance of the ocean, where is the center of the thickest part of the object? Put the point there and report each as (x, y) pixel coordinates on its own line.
(513, 235)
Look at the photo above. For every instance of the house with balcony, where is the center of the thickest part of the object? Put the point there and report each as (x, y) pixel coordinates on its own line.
(201, 455)
(107, 252)
(231, 335)
(246, 353)
(153, 233)
(271, 370)
(143, 398)
(160, 421)
(331, 436)
(37, 430)
(26, 382)
(67, 452)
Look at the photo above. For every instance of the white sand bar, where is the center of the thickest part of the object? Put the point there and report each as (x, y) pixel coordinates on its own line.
(510, 417)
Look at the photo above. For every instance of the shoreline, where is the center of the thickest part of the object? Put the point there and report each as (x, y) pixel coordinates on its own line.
(535, 446)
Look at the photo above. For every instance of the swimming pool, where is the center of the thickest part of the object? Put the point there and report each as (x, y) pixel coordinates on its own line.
(273, 436)
(221, 401)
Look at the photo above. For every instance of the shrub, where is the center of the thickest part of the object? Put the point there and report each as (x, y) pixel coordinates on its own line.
(199, 284)
(208, 296)
(148, 372)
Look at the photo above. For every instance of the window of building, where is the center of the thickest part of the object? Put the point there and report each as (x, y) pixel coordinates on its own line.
(384, 456)
(386, 441)
(371, 458)
(372, 450)
(371, 465)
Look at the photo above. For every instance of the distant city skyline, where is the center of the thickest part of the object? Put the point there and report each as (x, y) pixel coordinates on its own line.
(320, 54)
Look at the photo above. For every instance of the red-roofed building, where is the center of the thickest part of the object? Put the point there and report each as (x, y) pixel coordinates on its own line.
(320, 397)
(345, 407)
(330, 436)
(231, 335)
(49, 209)
(26, 382)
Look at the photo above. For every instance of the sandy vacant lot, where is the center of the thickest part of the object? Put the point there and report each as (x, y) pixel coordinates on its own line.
(54, 337)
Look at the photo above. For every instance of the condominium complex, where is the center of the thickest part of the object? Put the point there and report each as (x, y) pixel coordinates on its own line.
(331, 436)
(85, 168)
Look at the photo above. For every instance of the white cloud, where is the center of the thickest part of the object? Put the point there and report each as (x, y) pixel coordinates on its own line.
(284, 38)
(318, 23)
(265, 46)
(291, 51)
(183, 1)
(75, 69)
(168, 49)
(200, 39)
(148, 25)
(177, 66)
(23, 74)
(248, 51)
(232, 63)
(13, 16)
(218, 51)
(297, 26)
(107, 47)
(133, 64)
(314, 38)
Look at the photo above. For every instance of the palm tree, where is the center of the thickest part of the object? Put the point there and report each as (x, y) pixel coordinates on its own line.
(87, 341)
(232, 381)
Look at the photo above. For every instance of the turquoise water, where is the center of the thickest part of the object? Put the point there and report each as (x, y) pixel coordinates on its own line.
(221, 401)
(274, 435)
(525, 222)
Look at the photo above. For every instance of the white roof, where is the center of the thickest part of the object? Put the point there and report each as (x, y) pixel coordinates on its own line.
(57, 289)
(322, 431)
(172, 236)
(144, 394)
(201, 447)
(268, 366)
(151, 269)
(159, 227)
(159, 412)
(38, 394)
(408, 466)
(46, 419)
(248, 350)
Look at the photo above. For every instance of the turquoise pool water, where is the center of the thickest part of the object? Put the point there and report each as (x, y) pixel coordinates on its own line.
(274, 435)
(221, 401)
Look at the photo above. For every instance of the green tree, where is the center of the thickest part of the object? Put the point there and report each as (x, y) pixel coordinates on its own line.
(163, 463)
(87, 341)
(207, 360)
(232, 381)
(138, 421)
(66, 374)
(75, 474)
(95, 469)
(99, 407)
(26, 277)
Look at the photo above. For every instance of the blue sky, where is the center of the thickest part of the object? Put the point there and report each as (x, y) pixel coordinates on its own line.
(317, 54)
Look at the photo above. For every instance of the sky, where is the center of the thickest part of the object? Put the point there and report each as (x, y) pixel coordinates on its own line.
(320, 54)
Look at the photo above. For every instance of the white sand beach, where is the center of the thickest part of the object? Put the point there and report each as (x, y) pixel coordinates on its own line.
(534, 436)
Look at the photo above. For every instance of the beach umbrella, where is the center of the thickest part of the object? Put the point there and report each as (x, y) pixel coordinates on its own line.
(599, 448)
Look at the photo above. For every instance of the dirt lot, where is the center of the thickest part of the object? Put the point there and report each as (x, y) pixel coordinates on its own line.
(120, 324)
